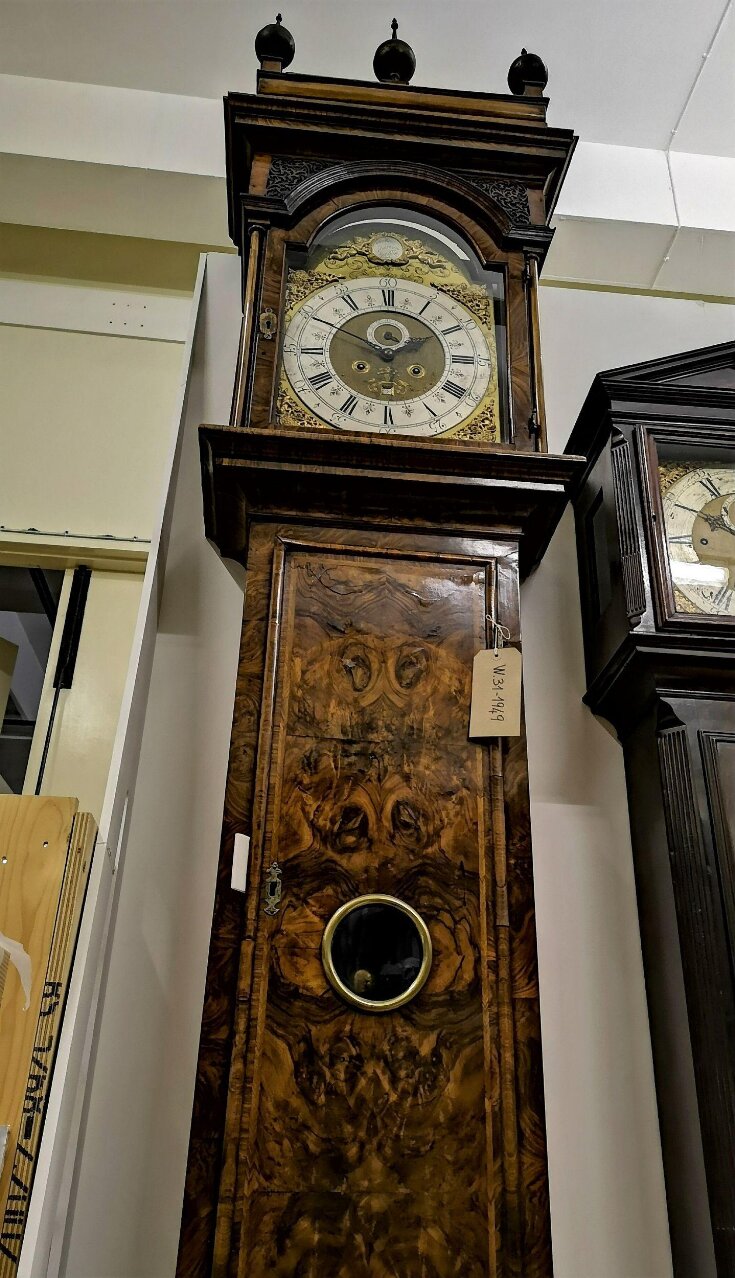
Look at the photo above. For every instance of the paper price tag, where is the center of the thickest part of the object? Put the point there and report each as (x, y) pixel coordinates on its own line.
(495, 709)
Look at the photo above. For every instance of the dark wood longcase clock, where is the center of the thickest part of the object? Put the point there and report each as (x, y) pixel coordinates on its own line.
(656, 540)
(369, 1095)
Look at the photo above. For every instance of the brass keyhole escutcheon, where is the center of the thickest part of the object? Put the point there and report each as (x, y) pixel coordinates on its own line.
(376, 952)
(267, 324)
(273, 889)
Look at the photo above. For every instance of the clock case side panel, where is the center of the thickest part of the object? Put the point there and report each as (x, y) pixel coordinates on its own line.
(296, 232)
(683, 877)
(614, 581)
(523, 1241)
(671, 1042)
(206, 1177)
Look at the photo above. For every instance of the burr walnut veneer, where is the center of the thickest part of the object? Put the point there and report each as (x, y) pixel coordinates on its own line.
(327, 1141)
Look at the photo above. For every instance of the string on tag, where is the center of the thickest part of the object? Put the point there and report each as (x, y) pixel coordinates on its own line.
(499, 635)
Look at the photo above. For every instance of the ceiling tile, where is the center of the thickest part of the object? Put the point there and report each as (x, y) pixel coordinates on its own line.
(708, 124)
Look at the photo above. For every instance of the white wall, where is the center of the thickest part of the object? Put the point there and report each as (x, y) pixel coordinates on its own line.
(608, 1207)
(84, 429)
(584, 332)
(85, 419)
(606, 1180)
(137, 1116)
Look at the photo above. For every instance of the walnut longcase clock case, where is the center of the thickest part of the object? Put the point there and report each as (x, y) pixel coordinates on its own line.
(369, 1092)
(656, 541)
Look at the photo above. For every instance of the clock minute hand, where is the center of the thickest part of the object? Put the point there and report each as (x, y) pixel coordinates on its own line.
(385, 355)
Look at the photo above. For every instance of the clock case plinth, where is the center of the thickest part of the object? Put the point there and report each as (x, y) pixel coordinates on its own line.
(666, 682)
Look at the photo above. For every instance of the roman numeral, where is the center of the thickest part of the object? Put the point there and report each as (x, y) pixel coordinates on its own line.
(454, 389)
(454, 329)
(387, 415)
(425, 307)
(430, 409)
(708, 484)
(349, 405)
(319, 380)
(312, 350)
(463, 359)
(351, 302)
(389, 297)
(722, 598)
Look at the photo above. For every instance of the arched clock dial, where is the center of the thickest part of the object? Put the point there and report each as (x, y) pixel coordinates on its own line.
(699, 518)
(384, 354)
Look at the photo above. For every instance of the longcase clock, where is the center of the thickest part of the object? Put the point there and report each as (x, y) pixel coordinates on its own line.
(656, 540)
(369, 1096)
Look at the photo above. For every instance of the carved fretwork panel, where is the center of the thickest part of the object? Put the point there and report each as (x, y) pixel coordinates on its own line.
(408, 1142)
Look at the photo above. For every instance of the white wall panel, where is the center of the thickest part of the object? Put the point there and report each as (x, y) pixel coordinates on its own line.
(84, 425)
(584, 332)
(138, 1111)
(157, 316)
(101, 124)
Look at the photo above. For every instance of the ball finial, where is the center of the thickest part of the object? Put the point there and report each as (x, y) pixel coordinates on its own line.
(394, 61)
(527, 75)
(275, 46)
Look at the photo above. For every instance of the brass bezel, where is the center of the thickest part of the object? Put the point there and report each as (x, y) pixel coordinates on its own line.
(366, 1004)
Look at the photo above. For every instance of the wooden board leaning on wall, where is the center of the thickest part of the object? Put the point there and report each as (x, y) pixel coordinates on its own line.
(45, 853)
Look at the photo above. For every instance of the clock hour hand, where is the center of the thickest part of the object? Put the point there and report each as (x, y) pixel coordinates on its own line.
(714, 522)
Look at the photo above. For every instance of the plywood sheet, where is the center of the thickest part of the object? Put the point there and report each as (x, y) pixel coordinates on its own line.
(45, 851)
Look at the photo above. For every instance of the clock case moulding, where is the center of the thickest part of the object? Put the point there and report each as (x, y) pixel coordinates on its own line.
(666, 682)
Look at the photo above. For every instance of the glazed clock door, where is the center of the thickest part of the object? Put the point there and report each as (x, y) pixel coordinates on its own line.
(382, 1130)
(392, 326)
